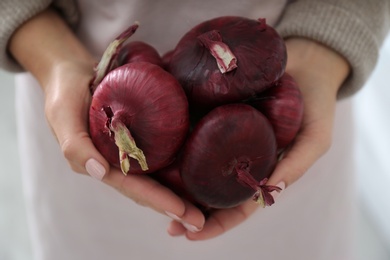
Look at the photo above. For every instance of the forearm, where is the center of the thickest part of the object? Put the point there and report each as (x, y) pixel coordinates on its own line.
(45, 43)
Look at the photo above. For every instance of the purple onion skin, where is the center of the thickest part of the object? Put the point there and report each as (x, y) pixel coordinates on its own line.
(261, 60)
(152, 105)
(166, 59)
(282, 104)
(138, 51)
(170, 177)
(230, 136)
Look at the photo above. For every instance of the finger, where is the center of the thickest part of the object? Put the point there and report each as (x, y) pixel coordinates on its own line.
(147, 192)
(223, 220)
(82, 155)
(176, 229)
(192, 221)
(311, 143)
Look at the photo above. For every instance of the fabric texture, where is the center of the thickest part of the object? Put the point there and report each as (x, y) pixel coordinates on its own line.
(356, 29)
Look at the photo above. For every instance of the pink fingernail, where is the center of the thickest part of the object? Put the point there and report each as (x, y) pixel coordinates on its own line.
(173, 216)
(95, 169)
(190, 227)
(276, 194)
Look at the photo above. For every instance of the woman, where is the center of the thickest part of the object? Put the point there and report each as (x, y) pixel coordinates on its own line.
(332, 48)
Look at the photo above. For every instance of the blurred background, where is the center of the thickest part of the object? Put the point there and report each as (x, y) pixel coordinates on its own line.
(371, 110)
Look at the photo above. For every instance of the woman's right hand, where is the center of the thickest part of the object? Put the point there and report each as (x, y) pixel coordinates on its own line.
(64, 69)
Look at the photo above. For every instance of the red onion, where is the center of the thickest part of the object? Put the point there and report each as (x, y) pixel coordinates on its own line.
(228, 59)
(166, 59)
(282, 104)
(138, 51)
(229, 156)
(170, 177)
(139, 105)
(139, 112)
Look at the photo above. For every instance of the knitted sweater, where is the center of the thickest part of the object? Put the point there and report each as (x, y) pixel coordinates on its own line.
(353, 28)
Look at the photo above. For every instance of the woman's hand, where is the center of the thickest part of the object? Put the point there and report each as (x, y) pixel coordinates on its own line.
(64, 69)
(319, 72)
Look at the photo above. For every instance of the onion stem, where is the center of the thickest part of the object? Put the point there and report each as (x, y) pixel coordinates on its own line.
(127, 146)
(263, 192)
(108, 61)
(225, 58)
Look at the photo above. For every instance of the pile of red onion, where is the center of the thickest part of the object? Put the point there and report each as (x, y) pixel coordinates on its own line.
(207, 119)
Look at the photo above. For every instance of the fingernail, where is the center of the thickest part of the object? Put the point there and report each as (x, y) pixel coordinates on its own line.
(173, 216)
(95, 169)
(275, 193)
(190, 227)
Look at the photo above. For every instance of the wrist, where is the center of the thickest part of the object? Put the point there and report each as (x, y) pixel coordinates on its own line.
(313, 62)
(45, 43)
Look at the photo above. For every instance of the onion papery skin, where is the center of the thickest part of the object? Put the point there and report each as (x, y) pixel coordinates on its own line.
(282, 104)
(170, 177)
(151, 104)
(259, 50)
(228, 137)
(138, 51)
(166, 59)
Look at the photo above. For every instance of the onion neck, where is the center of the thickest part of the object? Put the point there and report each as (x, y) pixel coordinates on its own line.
(262, 194)
(127, 146)
(109, 61)
(225, 58)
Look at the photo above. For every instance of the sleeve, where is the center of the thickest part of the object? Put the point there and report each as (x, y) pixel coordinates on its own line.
(13, 13)
(355, 29)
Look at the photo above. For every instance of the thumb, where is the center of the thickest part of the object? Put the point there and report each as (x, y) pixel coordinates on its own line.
(68, 119)
(312, 142)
